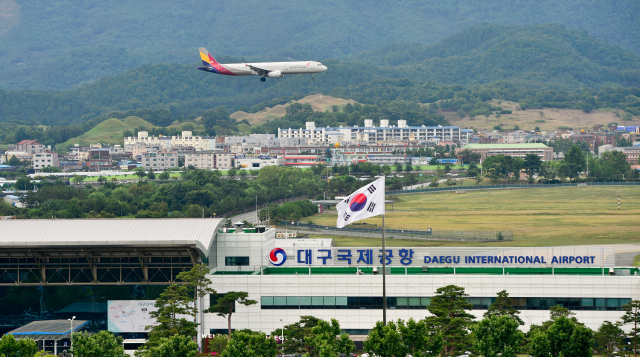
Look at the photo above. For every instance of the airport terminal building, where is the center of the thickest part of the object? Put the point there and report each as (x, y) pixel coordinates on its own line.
(109, 261)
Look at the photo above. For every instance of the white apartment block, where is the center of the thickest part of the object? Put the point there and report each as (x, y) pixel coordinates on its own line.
(44, 159)
(372, 135)
(209, 160)
(159, 161)
(164, 142)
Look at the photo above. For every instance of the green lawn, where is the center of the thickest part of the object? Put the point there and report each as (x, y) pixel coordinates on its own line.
(126, 177)
(537, 217)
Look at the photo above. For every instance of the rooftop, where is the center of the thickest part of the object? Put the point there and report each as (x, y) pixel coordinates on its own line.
(506, 146)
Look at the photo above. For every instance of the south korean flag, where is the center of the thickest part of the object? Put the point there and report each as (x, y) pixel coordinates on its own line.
(364, 203)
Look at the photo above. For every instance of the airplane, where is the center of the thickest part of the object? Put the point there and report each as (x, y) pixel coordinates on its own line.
(264, 69)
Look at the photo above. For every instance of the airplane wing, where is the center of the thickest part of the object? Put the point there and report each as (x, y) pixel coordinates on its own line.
(259, 71)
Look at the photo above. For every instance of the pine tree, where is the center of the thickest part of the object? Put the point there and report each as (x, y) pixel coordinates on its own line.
(502, 306)
(451, 319)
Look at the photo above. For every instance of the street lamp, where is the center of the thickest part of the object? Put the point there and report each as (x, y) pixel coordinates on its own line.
(71, 332)
(282, 336)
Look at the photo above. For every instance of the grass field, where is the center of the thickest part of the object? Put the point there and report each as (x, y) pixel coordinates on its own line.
(318, 102)
(108, 132)
(537, 217)
(551, 118)
(126, 177)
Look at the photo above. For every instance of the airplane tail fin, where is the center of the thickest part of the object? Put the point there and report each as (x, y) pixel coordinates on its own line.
(207, 58)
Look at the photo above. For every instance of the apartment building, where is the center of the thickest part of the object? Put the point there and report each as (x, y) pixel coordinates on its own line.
(209, 160)
(159, 161)
(515, 150)
(369, 134)
(44, 159)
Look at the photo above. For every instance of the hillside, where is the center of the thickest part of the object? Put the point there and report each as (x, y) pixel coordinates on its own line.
(537, 55)
(75, 43)
(318, 102)
(551, 119)
(510, 57)
(109, 131)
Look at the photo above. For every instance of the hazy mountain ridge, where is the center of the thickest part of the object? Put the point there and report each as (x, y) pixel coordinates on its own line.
(60, 44)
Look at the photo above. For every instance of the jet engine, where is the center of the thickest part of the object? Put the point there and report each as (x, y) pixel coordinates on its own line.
(275, 74)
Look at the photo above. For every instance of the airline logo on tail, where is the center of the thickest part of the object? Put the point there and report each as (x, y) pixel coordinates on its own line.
(213, 65)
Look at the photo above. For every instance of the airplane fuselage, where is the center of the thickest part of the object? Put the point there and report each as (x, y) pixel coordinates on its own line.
(275, 68)
(262, 69)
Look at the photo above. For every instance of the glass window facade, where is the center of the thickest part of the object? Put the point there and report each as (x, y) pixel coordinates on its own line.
(478, 303)
(234, 261)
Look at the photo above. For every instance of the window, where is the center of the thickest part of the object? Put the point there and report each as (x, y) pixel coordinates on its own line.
(422, 303)
(236, 261)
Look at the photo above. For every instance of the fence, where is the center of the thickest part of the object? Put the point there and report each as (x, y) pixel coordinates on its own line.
(509, 186)
(479, 236)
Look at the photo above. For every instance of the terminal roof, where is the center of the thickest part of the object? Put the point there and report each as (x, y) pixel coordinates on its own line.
(41, 233)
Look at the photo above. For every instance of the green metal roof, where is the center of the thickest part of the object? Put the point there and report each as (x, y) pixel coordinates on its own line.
(506, 146)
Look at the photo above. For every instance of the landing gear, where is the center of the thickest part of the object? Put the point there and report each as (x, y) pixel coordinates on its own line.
(263, 79)
(312, 76)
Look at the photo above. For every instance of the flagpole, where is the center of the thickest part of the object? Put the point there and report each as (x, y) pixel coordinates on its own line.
(384, 275)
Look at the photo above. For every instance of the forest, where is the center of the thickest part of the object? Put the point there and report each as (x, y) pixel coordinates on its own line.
(546, 65)
(76, 43)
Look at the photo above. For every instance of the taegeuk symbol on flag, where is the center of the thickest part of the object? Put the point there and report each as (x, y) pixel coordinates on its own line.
(364, 203)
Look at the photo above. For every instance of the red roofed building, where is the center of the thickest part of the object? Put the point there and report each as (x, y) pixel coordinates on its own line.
(29, 146)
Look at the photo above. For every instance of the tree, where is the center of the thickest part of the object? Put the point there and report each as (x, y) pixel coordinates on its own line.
(12, 347)
(502, 307)
(574, 163)
(498, 335)
(450, 318)
(197, 282)
(609, 336)
(23, 183)
(467, 156)
(77, 179)
(473, 170)
(151, 175)
(140, 172)
(164, 175)
(250, 344)
(408, 168)
(532, 164)
(632, 316)
(232, 171)
(172, 346)
(14, 161)
(569, 339)
(101, 344)
(225, 306)
(614, 164)
(171, 303)
(412, 338)
(398, 166)
(540, 345)
(324, 340)
(296, 334)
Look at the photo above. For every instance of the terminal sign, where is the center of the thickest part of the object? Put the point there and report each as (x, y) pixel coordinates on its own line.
(428, 256)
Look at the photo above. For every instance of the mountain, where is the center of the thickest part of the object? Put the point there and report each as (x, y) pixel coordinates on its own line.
(59, 44)
(543, 57)
(536, 54)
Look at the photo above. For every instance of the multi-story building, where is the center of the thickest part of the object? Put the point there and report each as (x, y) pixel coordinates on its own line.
(515, 150)
(370, 134)
(44, 159)
(252, 162)
(159, 161)
(209, 160)
(300, 160)
(200, 143)
(164, 142)
(29, 146)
